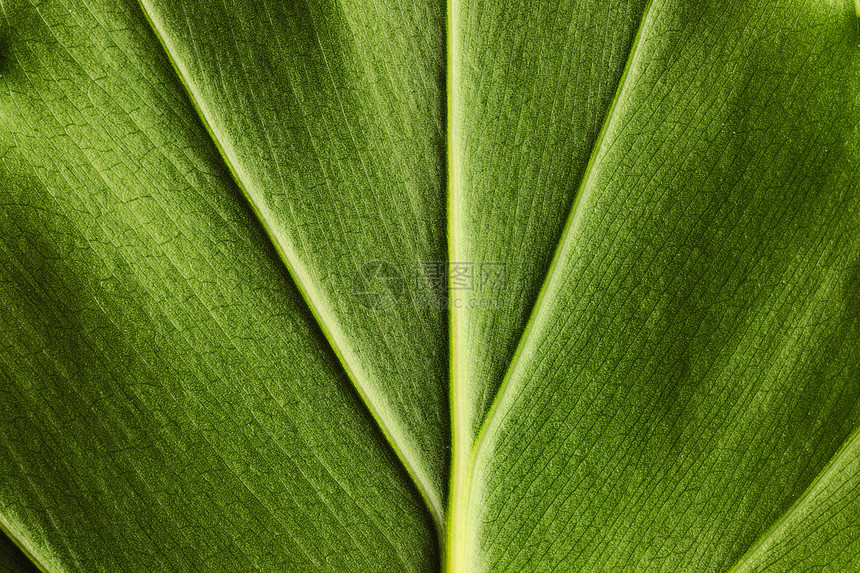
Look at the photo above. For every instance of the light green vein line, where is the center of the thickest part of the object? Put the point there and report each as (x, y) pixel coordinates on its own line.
(849, 446)
(6, 529)
(571, 226)
(463, 463)
(331, 332)
(455, 560)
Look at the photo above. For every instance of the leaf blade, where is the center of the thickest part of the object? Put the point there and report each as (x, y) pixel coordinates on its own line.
(610, 329)
(316, 159)
(167, 401)
(13, 559)
(818, 532)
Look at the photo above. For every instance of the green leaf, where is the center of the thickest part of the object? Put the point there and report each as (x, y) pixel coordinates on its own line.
(372, 286)
(332, 129)
(168, 401)
(12, 559)
(691, 363)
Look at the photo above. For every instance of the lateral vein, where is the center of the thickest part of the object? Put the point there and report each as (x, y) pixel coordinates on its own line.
(570, 227)
(331, 332)
(849, 446)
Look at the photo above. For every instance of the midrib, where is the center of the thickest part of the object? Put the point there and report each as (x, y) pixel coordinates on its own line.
(454, 560)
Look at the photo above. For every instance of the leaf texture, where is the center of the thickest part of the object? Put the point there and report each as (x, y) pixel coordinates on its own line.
(691, 365)
(13, 560)
(384, 286)
(332, 127)
(168, 402)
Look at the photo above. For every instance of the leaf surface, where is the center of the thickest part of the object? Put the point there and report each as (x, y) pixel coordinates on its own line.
(254, 256)
(168, 402)
(691, 364)
(12, 559)
(522, 129)
(332, 126)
